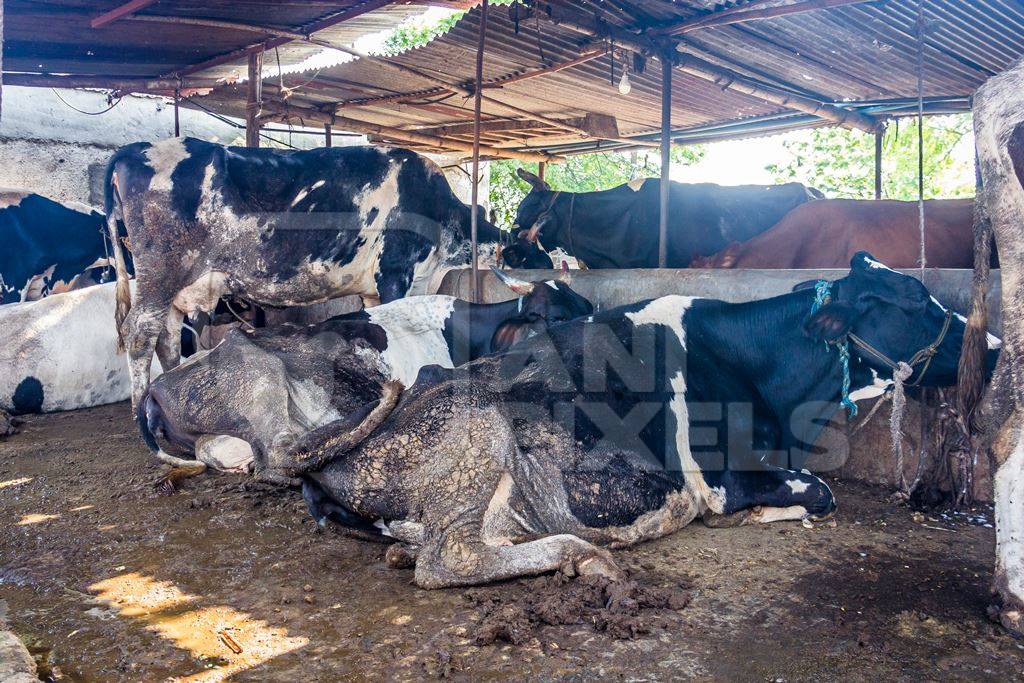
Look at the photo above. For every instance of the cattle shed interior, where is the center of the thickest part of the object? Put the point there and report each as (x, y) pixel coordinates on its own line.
(229, 579)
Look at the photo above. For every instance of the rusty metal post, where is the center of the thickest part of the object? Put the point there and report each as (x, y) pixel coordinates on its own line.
(327, 135)
(474, 289)
(666, 162)
(254, 100)
(177, 122)
(879, 137)
(541, 167)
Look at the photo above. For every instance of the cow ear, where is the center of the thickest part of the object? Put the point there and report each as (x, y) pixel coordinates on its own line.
(831, 321)
(532, 179)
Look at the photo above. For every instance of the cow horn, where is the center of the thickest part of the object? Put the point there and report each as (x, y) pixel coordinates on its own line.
(497, 256)
(521, 287)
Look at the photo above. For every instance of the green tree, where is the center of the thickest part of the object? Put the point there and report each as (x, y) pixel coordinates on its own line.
(579, 173)
(414, 33)
(841, 162)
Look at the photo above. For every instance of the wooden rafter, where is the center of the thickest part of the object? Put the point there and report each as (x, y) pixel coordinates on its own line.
(739, 15)
(120, 12)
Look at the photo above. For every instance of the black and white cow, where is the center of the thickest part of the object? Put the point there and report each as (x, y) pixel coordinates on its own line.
(624, 427)
(255, 394)
(618, 228)
(45, 245)
(277, 228)
(60, 353)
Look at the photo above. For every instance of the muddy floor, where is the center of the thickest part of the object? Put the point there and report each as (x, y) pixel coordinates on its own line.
(105, 579)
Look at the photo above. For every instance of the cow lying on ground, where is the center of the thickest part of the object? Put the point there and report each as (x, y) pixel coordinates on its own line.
(45, 245)
(278, 228)
(527, 461)
(826, 234)
(60, 353)
(618, 228)
(255, 394)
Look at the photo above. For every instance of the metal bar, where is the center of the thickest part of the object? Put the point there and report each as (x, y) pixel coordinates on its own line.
(328, 142)
(177, 122)
(120, 12)
(281, 112)
(319, 25)
(666, 161)
(735, 16)
(1, 58)
(254, 100)
(879, 138)
(541, 168)
(125, 83)
(474, 285)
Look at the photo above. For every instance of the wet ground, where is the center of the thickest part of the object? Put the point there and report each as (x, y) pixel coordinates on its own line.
(105, 579)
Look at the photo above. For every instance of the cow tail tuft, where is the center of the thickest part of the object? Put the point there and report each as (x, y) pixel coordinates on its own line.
(115, 213)
(973, 353)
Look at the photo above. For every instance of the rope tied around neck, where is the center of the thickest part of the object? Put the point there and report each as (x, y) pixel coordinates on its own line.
(822, 296)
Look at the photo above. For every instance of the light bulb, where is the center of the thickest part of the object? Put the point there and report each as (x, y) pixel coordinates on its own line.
(624, 84)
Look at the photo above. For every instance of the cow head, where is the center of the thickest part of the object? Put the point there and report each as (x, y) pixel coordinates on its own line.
(534, 212)
(896, 317)
(541, 304)
(525, 254)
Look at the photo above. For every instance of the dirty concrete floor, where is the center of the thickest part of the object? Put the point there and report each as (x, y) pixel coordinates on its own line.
(107, 580)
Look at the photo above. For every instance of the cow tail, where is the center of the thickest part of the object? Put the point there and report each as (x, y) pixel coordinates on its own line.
(973, 354)
(115, 212)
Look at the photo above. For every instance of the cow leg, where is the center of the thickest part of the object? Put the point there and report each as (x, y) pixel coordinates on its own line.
(142, 330)
(168, 344)
(770, 495)
(460, 558)
(1008, 487)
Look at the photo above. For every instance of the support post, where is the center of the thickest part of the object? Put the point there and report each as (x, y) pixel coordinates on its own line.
(666, 148)
(879, 138)
(1, 57)
(542, 166)
(474, 292)
(254, 101)
(177, 122)
(327, 135)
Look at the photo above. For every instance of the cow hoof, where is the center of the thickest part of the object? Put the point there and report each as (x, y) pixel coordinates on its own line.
(601, 565)
(1010, 618)
(169, 483)
(715, 520)
(400, 556)
(8, 424)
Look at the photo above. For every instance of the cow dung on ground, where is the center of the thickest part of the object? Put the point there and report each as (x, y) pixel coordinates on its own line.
(122, 583)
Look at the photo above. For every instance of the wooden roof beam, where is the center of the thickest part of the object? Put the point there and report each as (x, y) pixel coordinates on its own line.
(278, 112)
(121, 83)
(120, 12)
(739, 15)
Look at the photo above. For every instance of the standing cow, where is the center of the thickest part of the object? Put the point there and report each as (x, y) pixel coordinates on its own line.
(278, 228)
(45, 245)
(828, 233)
(618, 228)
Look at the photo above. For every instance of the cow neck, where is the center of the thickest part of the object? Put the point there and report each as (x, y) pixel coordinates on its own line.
(472, 326)
(765, 341)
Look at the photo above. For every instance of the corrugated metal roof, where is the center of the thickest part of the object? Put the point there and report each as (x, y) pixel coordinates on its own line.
(56, 37)
(861, 56)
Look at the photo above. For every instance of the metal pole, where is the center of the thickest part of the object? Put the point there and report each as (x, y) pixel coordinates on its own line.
(474, 285)
(177, 123)
(666, 147)
(879, 137)
(327, 135)
(1, 55)
(254, 100)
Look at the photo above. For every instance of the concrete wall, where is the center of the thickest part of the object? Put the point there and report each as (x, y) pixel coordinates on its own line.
(610, 288)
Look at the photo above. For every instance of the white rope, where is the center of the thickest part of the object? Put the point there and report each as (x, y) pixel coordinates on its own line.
(899, 404)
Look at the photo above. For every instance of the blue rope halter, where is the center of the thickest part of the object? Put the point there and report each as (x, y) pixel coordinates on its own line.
(822, 295)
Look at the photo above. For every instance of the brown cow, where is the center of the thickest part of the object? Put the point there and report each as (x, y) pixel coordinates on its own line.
(827, 233)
